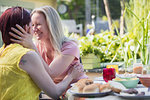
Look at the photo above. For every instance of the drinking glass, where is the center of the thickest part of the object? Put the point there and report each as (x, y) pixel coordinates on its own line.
(113, 66)
(138, 68)
(109, 74)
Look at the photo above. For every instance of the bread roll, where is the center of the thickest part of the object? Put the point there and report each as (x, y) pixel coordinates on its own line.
(85, 81)
(105, 88)
(98, 84)
(78, 88)
(116, 86)
(92, 88)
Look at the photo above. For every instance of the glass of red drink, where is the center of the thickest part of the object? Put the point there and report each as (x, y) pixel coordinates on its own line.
(109, 74)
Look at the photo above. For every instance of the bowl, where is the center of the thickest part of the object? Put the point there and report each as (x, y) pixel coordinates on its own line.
(125, 76)
(145, 80)
(127, 82)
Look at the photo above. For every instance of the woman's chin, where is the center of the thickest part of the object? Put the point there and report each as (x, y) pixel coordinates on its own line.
(38, 38)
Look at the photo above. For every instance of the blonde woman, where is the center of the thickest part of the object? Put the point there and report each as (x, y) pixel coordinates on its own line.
(58, 52)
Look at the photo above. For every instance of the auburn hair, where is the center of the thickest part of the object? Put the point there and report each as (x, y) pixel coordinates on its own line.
(11, 17)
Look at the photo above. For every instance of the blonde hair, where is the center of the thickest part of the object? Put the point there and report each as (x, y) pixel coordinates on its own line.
(57, 37)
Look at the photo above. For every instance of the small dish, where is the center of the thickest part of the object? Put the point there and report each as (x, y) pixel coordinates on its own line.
(145, 80)
(128, 82)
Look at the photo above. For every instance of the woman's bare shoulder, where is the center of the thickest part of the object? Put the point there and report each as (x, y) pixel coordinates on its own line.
(30, 62)
(30, 57)
(30, 54)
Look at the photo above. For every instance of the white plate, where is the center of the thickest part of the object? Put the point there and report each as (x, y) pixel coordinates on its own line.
(146, 96)
(89, 95)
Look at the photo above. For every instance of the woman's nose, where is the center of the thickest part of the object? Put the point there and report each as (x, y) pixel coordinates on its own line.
(34, 29)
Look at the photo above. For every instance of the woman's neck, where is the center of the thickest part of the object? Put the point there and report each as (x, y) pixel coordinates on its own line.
(47, 45)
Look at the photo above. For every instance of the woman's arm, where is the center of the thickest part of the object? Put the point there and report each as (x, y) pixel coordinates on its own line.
(32, 64)
(25, 39)
(64, 61)
(53, 69)
(69, 56)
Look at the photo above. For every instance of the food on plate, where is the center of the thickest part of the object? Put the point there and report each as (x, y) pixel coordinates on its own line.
(105, 88)
(92, 88)
(78, 87)
(127, 75)
(124, 79)
(126, 94)
(116, 86)
(132, 92)
(119, 79)
(141, 94)
(85, 81)
(98, 84)
(88, 86)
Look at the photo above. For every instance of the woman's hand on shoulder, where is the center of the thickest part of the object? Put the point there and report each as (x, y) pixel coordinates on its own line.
(22, 37)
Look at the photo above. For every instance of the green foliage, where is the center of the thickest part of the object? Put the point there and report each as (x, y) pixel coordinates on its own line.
(137, 10)
(136, 16)
(103, 45)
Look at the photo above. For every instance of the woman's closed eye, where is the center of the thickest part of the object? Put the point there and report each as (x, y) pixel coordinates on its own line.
(36, 24)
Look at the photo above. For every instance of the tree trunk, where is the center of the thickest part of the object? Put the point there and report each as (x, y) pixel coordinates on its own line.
(122, 3)
(108, 14)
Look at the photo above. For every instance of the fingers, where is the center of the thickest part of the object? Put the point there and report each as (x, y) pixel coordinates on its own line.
(16, 41)
(20, 28)
(79, 67)
(76, 64)
(77, 71)
(16, 31)
(15, 36)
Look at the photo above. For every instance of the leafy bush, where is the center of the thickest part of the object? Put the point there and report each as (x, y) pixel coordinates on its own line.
(103, 45)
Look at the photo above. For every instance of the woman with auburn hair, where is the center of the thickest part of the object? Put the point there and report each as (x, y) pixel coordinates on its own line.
(55, 49)
(22, 73)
